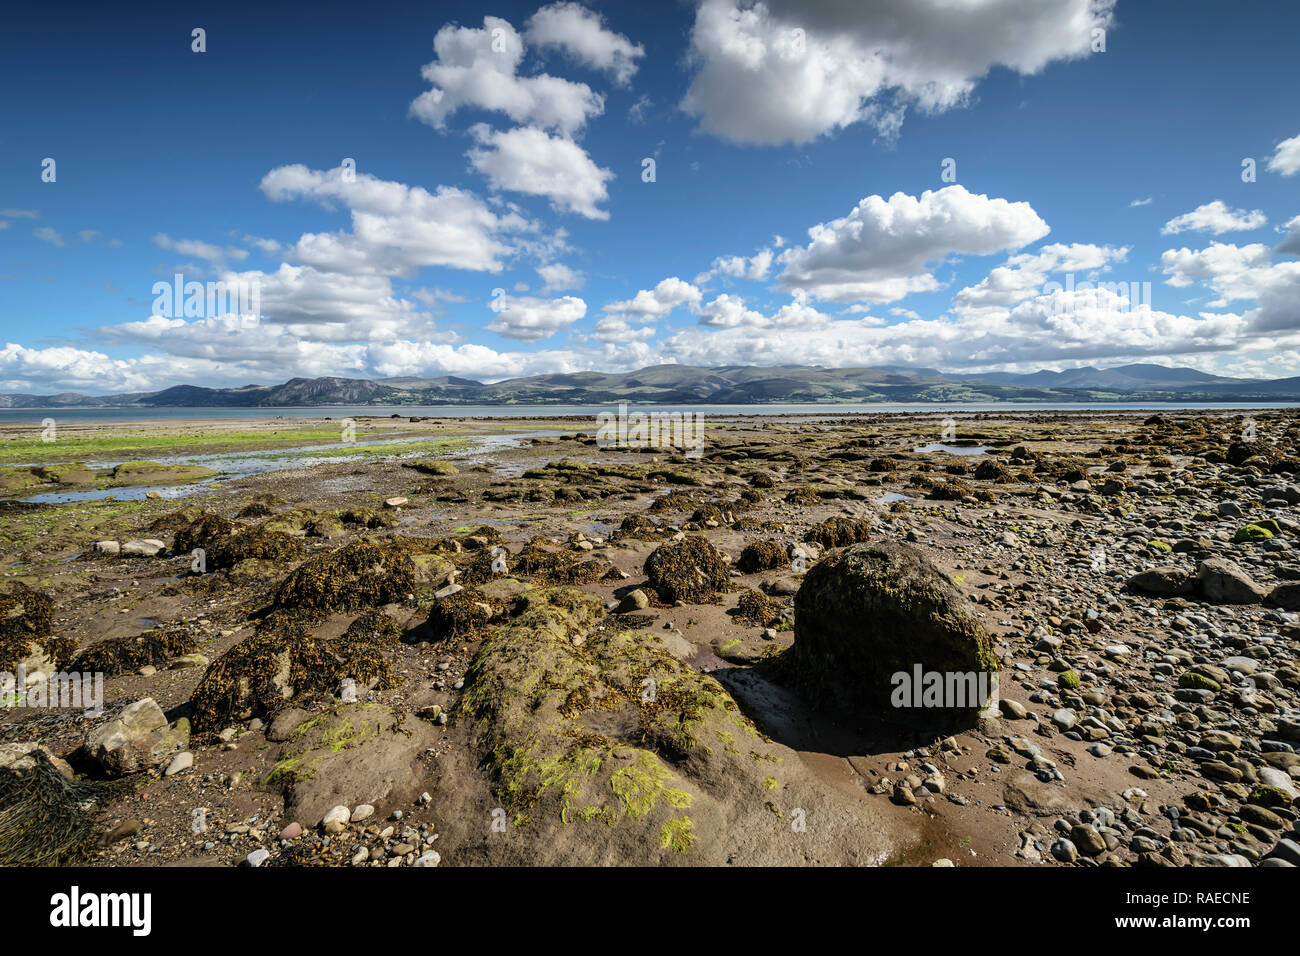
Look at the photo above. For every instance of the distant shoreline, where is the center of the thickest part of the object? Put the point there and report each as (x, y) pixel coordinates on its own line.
(208, 413)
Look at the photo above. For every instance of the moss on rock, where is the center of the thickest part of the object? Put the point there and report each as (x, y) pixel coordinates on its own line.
(875, 610)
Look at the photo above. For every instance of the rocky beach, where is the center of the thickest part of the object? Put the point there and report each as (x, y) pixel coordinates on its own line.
(461, 641)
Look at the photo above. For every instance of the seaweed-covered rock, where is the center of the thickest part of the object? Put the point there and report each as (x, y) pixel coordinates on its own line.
(1240, 452)
(872, 611)
(463, 614)
(755, 607)
(691, 570)
(202, 531)
(762, 556)
(360, 574)
(121, 654)
(371, 518)
(253, 544)
(27, 630)
(993, 471)
(950, 491)
(839, 532)
(46, 817)
(260, 674)
(639, 527)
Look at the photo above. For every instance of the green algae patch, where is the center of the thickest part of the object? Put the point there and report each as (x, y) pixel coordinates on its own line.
(1252, 532)
(580, 724)
(154, 473)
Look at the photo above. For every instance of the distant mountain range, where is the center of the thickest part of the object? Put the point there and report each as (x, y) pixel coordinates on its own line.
(730, 385)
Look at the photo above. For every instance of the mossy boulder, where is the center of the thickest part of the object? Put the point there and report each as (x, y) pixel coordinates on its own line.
(691, 571)
(75, 473)
(603, 748)
(871, 611)
(156, 473)
(1252, 532)
(15, 480)
(434, 467)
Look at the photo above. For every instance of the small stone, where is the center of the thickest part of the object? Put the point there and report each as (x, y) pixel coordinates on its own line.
(633, 601)
(182, 761)
(363, 812)
(258, 857)
(336, 820)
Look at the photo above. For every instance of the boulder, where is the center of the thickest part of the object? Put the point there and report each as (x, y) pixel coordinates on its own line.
(1285, 596)
(1221, 581)
(872, 611)
(139, 738)
(1168, 579)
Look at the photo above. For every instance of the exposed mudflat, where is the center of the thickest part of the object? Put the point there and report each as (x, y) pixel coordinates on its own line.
(514, 730)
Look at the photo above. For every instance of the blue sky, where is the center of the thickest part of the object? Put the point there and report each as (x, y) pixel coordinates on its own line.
(499, 221)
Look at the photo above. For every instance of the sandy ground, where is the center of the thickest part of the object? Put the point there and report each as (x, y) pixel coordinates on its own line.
(1015, 588)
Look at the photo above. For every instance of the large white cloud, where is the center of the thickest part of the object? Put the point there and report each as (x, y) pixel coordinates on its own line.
(581, 34)
(531, 319)
(1240, 273)
(478, 68)
(1217, 218)
(790, 70)
(884, 248)
(527, 160)
(1290, 246)
(659, 301)
(1285, 160)
(1023, 276)
(397, 228)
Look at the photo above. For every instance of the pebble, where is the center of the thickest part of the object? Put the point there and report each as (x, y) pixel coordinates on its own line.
(182, 761)
(336, 820)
